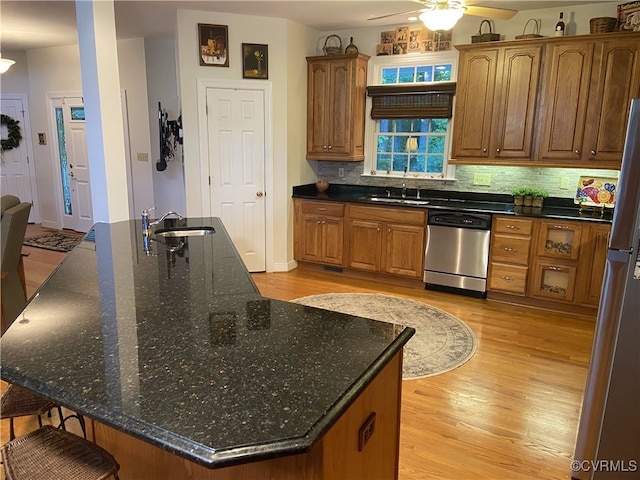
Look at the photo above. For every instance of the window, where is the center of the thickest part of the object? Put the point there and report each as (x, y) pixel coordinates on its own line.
(412, 98)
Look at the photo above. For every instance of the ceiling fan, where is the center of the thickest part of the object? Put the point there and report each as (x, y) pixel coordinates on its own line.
(443, 14)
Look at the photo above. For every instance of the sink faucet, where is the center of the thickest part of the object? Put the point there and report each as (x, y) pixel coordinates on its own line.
(404, 190)
(146, 224)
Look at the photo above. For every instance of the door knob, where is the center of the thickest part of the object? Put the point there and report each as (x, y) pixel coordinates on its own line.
(259, 193)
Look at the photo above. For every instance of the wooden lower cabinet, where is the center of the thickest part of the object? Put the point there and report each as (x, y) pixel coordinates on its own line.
(335, 455)
(386, 240)
(549, 263)
(319, 231)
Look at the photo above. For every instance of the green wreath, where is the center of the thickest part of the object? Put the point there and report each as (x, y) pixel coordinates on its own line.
(13, 126)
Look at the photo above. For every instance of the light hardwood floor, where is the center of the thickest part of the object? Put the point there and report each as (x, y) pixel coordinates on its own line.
(511, 412)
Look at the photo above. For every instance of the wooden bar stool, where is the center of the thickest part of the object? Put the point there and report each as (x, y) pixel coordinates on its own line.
(49, 451)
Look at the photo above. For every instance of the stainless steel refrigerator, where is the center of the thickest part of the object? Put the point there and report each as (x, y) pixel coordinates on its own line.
(608, 442)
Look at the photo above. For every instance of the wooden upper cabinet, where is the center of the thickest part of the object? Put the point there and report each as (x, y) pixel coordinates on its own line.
(565, 95)
(558, 102)
(474, 103)
(586, 98)
(496, 102)
(336, 107)
(615, 81)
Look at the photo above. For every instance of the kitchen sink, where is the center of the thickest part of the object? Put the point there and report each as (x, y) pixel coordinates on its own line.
(184, 232)
(405, 201)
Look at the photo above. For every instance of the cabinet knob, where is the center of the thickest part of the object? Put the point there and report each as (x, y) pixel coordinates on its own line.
(318, 222)
(330, 147)
(324, 147)
(593, 152)
(484, 150)
(557, 269)
(497, 150)
(577, 152)
(378, 229)
(388, 230)
(561, 227)
(509, 249)
(513, 227)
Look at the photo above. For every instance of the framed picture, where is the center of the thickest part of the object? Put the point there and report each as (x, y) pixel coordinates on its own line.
(213, 47)
(255, 60)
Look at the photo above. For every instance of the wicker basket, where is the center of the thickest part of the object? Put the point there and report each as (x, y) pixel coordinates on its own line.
(485, 37)
(536, 30)
(602, 24)
(332, 49)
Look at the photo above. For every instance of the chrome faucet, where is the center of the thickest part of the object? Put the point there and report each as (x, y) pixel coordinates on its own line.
(146, 224)
(404, 190)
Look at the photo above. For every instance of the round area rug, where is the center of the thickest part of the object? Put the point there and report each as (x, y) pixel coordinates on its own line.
(441, 343)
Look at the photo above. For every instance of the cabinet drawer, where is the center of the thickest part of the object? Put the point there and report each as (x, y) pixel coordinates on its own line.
(515, 226)
(389, 214)
(510, 249)
(332, 209)
(508, 278)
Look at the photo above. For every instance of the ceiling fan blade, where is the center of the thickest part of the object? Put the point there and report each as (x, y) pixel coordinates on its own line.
(393, 14)
(489, 12)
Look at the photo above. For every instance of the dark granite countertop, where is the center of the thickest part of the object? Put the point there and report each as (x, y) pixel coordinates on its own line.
(176, 347)
(559, 208)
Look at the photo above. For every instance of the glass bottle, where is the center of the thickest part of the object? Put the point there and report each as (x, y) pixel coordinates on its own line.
(351, 48)
(560, 26)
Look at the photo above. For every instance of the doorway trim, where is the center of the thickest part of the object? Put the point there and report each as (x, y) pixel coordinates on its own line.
(27, 138)
(205, 197)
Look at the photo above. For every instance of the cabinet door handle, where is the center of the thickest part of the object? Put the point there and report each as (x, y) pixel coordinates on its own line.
(509, 249)
(593, 152)
(324, 147)
(330, 147)
(378, 229)
(577, 152)
(322, 209)
(497, 150)
(509, 279)
(318, 222)
(561, 227)
(388, 230)
(484, 150)
(513, 227)
(557, 269)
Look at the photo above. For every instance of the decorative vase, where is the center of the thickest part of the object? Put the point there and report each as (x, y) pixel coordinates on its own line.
(538, 201)
(322, 185)
(518, 200)
(528, 200)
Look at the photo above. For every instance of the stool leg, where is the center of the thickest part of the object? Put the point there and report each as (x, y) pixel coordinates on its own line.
(12, 433)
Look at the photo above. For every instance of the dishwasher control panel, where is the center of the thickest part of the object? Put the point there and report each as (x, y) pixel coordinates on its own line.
(462, 220)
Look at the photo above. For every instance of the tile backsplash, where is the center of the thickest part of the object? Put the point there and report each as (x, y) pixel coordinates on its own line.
(559, 182)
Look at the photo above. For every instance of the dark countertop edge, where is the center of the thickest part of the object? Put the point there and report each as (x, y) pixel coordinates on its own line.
(206, 456)
(555, 207)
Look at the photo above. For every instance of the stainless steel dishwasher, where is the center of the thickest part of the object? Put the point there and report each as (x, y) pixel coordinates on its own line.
(457, 252)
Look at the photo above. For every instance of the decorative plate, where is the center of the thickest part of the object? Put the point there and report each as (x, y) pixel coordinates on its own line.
(597, 192)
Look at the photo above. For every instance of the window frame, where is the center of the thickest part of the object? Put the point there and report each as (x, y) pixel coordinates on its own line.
(378, 63)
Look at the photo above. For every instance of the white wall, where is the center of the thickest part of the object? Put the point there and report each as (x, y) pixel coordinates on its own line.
(51, 70)
(56, 70)
(284, 64)
(162, 86)
(133, 76)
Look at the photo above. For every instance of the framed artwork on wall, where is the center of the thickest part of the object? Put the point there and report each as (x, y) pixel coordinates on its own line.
(213, 47)
(255, 61)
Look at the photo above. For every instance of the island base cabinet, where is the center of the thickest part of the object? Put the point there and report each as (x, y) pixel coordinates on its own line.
(335, 456)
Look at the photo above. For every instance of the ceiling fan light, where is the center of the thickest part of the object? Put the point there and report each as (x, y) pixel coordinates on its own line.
(5, 63)
(441, 18)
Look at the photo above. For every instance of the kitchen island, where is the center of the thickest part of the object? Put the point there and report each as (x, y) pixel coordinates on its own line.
(185, 371)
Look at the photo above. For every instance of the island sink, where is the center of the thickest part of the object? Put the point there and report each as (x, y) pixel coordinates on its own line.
(185, 232)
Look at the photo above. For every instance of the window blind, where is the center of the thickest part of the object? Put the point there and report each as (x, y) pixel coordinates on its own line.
(413, 100)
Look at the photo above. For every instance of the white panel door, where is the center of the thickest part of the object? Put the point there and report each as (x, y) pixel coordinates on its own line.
(73, 161)
(15, 176)
(236, 131)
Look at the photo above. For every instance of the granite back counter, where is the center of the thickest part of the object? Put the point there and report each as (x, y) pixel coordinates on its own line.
(168, 347)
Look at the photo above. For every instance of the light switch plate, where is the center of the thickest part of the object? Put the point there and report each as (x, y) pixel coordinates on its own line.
(482, 179)
(143, 157)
